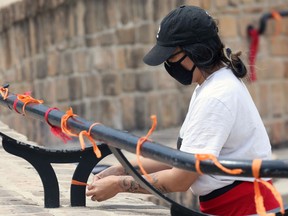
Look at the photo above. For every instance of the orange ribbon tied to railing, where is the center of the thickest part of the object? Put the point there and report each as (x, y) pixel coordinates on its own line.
(66, 130)
(87, 134)
(64, 122)
(4, 92)
(202, 157)
(56, 131)
(260, 208)
(278, 18)
(140, 142)
(26, 99)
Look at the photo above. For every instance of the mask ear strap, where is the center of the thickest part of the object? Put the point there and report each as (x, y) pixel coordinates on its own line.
(193, 68)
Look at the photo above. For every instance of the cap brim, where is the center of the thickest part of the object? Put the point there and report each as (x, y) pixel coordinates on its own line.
(158, 54)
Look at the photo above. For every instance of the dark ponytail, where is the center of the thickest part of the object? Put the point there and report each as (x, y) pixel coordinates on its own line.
(234, 62)
(211, 54)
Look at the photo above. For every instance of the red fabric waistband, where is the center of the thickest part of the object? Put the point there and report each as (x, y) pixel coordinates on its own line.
(238, 201)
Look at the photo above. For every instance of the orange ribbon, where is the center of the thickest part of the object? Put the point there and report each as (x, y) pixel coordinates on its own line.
(87, 134)
(202, 157)
(26, 99)
(278, 18)
(140, 143)
(256, 165)
(75, 182)
(4, 92)
(64, 120)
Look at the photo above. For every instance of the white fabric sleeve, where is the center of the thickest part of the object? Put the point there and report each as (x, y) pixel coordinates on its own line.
(207, 128)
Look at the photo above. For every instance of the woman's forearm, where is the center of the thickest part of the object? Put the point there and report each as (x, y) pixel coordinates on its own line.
(129, 184)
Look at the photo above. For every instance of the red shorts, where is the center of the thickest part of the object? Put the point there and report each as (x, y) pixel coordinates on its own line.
(238, 201)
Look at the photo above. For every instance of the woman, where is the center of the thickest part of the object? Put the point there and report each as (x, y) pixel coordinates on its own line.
(222, 119)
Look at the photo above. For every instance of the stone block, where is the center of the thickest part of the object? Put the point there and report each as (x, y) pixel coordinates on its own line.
(125, 13)
(75, 87)
(163, 79)
(145, 81)
(32, 37)
(221, 3)
(193, 2)
(40, 67)
(103, 59)
(82, 60)
(128, 112)
(228, 26)
(277, 68)
(140, 10)
(285, 89)
(111, 84)
(145, 33)
(140, 111)
(60, 25)
(53, 63)
(170, 112)
(79, 16)
(95, 19)
(277, 132)
(278, 47)
(154, 107)
(162, 7)
(7, 50)
(27, 71)
(129, 82)
(277, 100)
(120, 60)
(62, 89)
(66, 63)
(134, 57)
(126, 35)
(105, 39)
(79, 109)
(264, 104)
(107, 112)
(93, 85)
(45, 90)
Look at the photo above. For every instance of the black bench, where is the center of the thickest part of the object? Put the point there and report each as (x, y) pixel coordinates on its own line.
(41, 159)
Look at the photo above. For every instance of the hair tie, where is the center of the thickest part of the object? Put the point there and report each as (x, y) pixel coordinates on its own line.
(227, 53)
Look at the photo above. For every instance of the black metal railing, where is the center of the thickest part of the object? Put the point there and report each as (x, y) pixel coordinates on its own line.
(126, 141)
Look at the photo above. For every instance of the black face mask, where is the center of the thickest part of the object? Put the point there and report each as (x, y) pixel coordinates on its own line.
(178, 72)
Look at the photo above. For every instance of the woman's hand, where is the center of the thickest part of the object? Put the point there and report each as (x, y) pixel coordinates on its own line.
(103, 188)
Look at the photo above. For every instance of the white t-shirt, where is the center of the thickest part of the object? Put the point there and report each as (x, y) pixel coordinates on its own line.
(223, 120)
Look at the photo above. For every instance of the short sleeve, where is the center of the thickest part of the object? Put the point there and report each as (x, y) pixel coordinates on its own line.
(207, 128)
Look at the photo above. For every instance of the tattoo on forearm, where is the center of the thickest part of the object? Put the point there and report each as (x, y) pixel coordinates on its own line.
(129, 184)
(155, 183)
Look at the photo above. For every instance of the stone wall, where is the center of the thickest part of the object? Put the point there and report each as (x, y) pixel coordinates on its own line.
(87, 54)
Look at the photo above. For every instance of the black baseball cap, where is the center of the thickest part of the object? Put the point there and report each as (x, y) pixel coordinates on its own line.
(184, 25)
